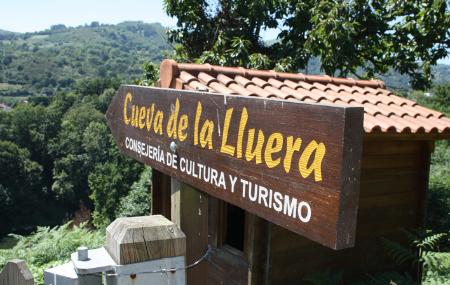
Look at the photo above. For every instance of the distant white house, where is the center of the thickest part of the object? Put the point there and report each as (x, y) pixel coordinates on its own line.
(4, 107)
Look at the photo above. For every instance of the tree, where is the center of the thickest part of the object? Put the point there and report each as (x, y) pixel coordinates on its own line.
(105, 99)
(32, 127)
(361, 38)
(109, 182)
(150, 74)
(96, 86)
(137, 201)
(19, 186)
(74, 156)
(437, 98)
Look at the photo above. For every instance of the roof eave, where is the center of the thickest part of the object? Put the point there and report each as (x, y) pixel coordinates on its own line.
(406, 136)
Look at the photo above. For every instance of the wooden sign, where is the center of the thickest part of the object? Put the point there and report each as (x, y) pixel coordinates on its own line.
(294, 164)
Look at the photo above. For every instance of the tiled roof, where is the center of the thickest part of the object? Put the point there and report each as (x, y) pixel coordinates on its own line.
(384, 112)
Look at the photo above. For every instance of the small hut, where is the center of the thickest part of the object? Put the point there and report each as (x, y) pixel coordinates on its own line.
(398, 140)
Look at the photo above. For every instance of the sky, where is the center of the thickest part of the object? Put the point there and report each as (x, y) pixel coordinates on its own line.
(37, 15)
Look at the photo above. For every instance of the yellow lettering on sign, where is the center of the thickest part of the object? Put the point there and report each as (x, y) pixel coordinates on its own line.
(142, 114)
(158, 123)
(274, 145)
(206, 134)
(172, 123)
(277, 150)
(198, 114)
(242, 125)
(182, 126)
(255, 153)
(225, 148)
(291, 147)
(149, 118)
(128, 98)
(316, 166)
(135, 116)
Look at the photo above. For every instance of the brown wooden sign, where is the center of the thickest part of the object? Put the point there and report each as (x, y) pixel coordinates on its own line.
(294, 164)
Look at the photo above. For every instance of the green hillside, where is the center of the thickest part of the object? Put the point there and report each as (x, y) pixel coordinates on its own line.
(51, 60)
(393, 80)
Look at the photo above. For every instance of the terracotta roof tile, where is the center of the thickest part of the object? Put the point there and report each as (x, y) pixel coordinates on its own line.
(371, 124)
(384, 111)
(260, 82)
(192, 81)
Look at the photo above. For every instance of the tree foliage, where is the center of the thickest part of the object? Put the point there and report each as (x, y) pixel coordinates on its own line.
(57, 154)
(137, 202)
(437, 98)
(150, 74)
(362, 38)
(108, 184)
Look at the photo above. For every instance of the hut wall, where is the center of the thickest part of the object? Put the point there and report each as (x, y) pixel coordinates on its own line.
(394, 180)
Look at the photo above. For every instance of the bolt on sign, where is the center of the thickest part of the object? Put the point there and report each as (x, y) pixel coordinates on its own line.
(294, 164)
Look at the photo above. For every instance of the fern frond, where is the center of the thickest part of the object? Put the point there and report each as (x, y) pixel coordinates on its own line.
(399, 253)
(412, 235)
(431, 242)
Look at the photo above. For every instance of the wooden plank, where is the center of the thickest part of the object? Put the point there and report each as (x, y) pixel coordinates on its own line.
(390, 161)
(351, 171)
(193, 220)
(214, 222)
(226, 266)
(391, 185)
(382, 175)
(386, 229)
(290, 263)
(160, 194)
(256, 249)
(16, 272)
(294, 164)
(284, 241)
(387, 213)
(409, 199)
(391, 147)
(427, 149)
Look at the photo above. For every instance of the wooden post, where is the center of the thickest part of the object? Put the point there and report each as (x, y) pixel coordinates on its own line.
(139, 239)
(257, 249)
(16, 272)
(192, 217)
(160, 194)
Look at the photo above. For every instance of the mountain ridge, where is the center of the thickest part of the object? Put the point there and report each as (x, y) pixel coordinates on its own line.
(52, 60)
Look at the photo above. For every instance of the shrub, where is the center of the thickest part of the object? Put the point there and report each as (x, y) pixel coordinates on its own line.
(49, 247)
